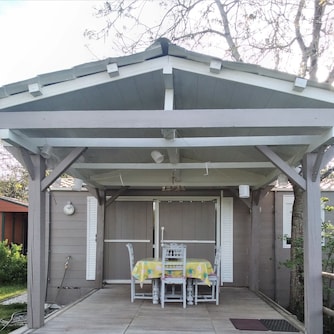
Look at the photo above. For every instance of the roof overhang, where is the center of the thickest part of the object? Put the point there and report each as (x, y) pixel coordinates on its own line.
(212, 121)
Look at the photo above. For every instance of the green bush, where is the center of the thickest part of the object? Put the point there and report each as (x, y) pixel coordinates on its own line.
(13, 268)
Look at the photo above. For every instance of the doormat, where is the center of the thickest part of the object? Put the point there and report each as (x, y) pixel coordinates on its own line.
(249, 324)
(278, 325)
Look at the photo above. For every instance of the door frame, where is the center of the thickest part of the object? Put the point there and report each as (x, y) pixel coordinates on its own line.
(155, 203)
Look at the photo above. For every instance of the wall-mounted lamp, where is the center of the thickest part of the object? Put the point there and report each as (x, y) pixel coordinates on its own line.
(244, 191)
(46, 151)
(157, 157)
(69, 209)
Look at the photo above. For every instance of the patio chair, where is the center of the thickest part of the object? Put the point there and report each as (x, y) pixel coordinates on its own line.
(173, 273)
(134, 293)
(213, 294)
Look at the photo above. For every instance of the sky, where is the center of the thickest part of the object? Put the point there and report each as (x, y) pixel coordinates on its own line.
(41, 36)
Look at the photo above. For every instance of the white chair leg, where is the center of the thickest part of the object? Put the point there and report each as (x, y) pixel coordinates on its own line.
(196, 292)
(162, 295)
(184, 295)
(133, 291)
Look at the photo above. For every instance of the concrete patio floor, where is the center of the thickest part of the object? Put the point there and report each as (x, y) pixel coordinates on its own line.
(109, 310)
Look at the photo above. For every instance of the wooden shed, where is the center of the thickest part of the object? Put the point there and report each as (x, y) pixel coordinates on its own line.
(14, 221)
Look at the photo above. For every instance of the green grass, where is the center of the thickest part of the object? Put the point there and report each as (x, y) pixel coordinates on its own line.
(7, 291)
(6, 311)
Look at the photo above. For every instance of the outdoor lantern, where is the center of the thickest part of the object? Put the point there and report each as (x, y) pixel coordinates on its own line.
(69, 209)
(244, 191)
(157, 157)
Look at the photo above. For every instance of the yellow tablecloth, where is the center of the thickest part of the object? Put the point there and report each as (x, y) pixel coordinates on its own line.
(151, 268)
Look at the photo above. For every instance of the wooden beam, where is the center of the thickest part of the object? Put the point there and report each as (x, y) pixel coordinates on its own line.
(28, 164)
(172, 166)
(164, 143)
(115, 195)
(326, 138)
(159, 142)
(283, 166)
(160, 119)
(62, 167)
(318, 162)
(17, 139)
(97, 193)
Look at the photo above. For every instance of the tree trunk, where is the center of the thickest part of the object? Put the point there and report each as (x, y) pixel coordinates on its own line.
(296, 305)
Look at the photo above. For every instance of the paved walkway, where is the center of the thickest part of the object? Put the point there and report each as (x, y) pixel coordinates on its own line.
(18, 299)
(109, 310)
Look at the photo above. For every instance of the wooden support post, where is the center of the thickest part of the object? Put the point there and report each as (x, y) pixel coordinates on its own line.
(254, 247)
(36, 246)
(100, 243)
(312, 249)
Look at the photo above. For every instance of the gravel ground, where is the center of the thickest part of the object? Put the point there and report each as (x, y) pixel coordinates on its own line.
(18, 299)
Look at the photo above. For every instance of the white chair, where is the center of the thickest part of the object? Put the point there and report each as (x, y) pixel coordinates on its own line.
(214, 278)
(135, 294)
(173, 273)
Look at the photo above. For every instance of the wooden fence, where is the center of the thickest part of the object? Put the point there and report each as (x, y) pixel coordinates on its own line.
(327, 310)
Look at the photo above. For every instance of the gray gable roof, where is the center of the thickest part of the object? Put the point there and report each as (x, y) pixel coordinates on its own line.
(200, 112)
(160, 48)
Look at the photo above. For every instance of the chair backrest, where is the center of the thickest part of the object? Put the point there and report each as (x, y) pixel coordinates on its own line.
(131, 256)
(216, 265)
(174, 258)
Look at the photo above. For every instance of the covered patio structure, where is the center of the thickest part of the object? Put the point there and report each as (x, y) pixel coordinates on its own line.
(217, 125)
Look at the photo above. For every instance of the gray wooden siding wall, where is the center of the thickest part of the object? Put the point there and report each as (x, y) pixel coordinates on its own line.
(267, 269)
(281, 281)
(67, 239)
(282, 274)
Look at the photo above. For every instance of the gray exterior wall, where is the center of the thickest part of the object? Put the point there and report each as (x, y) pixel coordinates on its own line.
(274, 276)
(67, 237)
(241, 243)
(266, 240)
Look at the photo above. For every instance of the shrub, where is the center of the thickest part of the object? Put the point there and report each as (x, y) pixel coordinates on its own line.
(13, 267)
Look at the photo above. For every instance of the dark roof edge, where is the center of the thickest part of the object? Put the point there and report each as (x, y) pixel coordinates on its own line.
(13, 201)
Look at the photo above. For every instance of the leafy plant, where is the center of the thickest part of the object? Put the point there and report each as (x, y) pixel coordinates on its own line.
(13, 267)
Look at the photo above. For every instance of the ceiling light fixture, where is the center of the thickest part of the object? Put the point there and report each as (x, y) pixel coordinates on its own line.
(157, 157)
